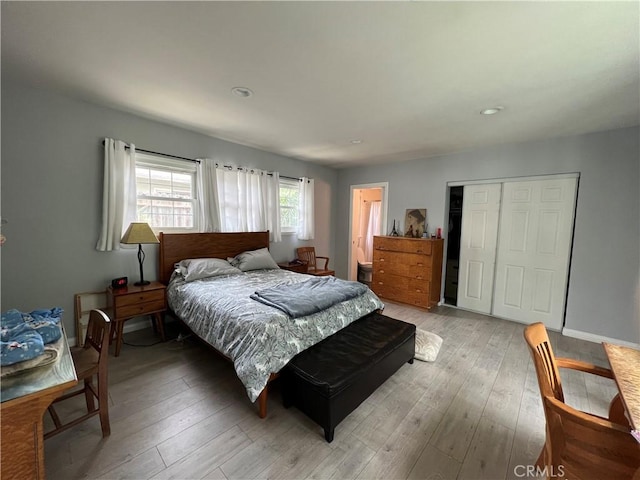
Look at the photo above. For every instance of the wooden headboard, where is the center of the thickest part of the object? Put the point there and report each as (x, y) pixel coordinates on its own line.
(180, 246)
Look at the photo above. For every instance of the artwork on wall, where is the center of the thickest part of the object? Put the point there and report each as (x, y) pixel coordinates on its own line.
(414, 223)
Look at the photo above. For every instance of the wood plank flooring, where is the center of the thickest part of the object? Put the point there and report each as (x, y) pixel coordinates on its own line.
(178, 411)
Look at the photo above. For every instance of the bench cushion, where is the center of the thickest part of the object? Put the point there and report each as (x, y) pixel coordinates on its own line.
(331, 365)
(329, 380)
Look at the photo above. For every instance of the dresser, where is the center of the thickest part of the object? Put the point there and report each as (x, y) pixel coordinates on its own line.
(408, 270)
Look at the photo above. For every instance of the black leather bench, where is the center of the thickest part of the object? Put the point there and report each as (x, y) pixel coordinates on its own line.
(329, 380)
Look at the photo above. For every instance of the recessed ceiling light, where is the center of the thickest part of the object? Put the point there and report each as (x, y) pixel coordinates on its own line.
(243, 92)
(355, 141)
(491, 111)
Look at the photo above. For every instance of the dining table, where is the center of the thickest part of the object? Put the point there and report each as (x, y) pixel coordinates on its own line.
(625, 365)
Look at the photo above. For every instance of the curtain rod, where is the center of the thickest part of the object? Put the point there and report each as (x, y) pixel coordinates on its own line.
(195, 160)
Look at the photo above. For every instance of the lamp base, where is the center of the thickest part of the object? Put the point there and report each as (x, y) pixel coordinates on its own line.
(141, 284)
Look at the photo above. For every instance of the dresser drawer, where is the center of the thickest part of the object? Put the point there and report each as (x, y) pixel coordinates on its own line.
(139, 298)
(404, 264)
(396, 283)
(391, 291)
(418, 299)
(400, 244)
(140, 309)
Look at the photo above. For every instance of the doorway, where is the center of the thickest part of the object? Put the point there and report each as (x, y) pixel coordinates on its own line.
(453, 245)
(368, 217)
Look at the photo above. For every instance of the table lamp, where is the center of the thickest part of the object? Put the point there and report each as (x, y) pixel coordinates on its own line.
(139, 232)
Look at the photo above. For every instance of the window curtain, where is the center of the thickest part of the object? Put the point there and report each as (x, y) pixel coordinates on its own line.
(305, 210)
(249, 201)
(118, 193)
(208, 208)
(373, 228)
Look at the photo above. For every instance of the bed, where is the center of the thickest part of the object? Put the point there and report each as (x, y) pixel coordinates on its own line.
(258, 339)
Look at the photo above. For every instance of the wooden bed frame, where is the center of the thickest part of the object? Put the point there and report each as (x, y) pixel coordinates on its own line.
(180, 246)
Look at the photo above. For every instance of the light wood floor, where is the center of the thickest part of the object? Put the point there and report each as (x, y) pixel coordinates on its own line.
(178, 411)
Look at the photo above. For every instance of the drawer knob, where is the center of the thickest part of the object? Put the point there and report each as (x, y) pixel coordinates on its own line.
(382, 260)
(381, 271)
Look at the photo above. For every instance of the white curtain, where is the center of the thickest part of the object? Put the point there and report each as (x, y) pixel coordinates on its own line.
(118, 194)
(248, 201)
(373, 228)
(208, 209)
(305, 210)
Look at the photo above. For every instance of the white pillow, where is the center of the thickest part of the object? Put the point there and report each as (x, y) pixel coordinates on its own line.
(254, 260)
(197, 268)
(427, 345)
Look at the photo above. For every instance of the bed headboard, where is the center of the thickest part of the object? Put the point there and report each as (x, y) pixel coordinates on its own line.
(179, 246)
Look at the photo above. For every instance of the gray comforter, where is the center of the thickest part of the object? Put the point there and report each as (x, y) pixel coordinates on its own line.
(306, 298)
(259, 339)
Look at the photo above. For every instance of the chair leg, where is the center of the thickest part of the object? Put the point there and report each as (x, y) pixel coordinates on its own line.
(54, 416)
(103, 402)
(88, 394)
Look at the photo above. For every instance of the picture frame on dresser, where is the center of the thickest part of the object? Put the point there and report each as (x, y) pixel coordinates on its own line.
(414, 222)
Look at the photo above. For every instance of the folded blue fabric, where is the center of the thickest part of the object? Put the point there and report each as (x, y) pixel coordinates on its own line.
(9, 321)
(24, 346)
(23, 335)
(46, 323)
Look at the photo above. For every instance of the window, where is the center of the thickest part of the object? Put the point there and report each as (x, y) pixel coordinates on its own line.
(166, 193)
(289, 205)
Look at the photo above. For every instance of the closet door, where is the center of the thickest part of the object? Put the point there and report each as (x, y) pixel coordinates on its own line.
(480, 214)
(536, 224)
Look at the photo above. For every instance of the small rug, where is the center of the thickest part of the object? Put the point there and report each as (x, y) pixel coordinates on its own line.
(427, 345)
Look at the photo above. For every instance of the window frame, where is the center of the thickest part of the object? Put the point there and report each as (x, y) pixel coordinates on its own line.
(166, 164)
(287, 182)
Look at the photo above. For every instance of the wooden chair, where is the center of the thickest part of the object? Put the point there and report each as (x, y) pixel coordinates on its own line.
(308, 254)
(579, 445)
(89, 360)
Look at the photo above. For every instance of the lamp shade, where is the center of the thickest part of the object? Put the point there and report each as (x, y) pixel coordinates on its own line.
(139, 232)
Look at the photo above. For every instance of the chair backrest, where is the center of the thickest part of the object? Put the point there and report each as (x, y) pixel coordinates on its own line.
(98, 334)
(308, 254)
(583, 446)
(544, 361)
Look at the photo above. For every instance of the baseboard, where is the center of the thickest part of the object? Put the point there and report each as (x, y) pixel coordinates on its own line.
(597, 338)
(590, 337)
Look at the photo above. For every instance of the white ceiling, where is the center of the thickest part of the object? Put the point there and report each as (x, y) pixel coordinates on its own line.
(407, 78)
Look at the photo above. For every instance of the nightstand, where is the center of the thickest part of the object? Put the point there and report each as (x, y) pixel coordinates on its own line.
(135, 301)
(295, 267)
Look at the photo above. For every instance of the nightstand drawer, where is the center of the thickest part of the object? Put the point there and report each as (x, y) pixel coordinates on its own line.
(140, 308)
(138, 297)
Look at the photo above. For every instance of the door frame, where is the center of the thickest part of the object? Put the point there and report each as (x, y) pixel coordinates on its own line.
(384, 186)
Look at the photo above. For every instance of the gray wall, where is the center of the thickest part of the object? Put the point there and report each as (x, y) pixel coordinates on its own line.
(52, 187)
(52, 161)
(604, 284)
